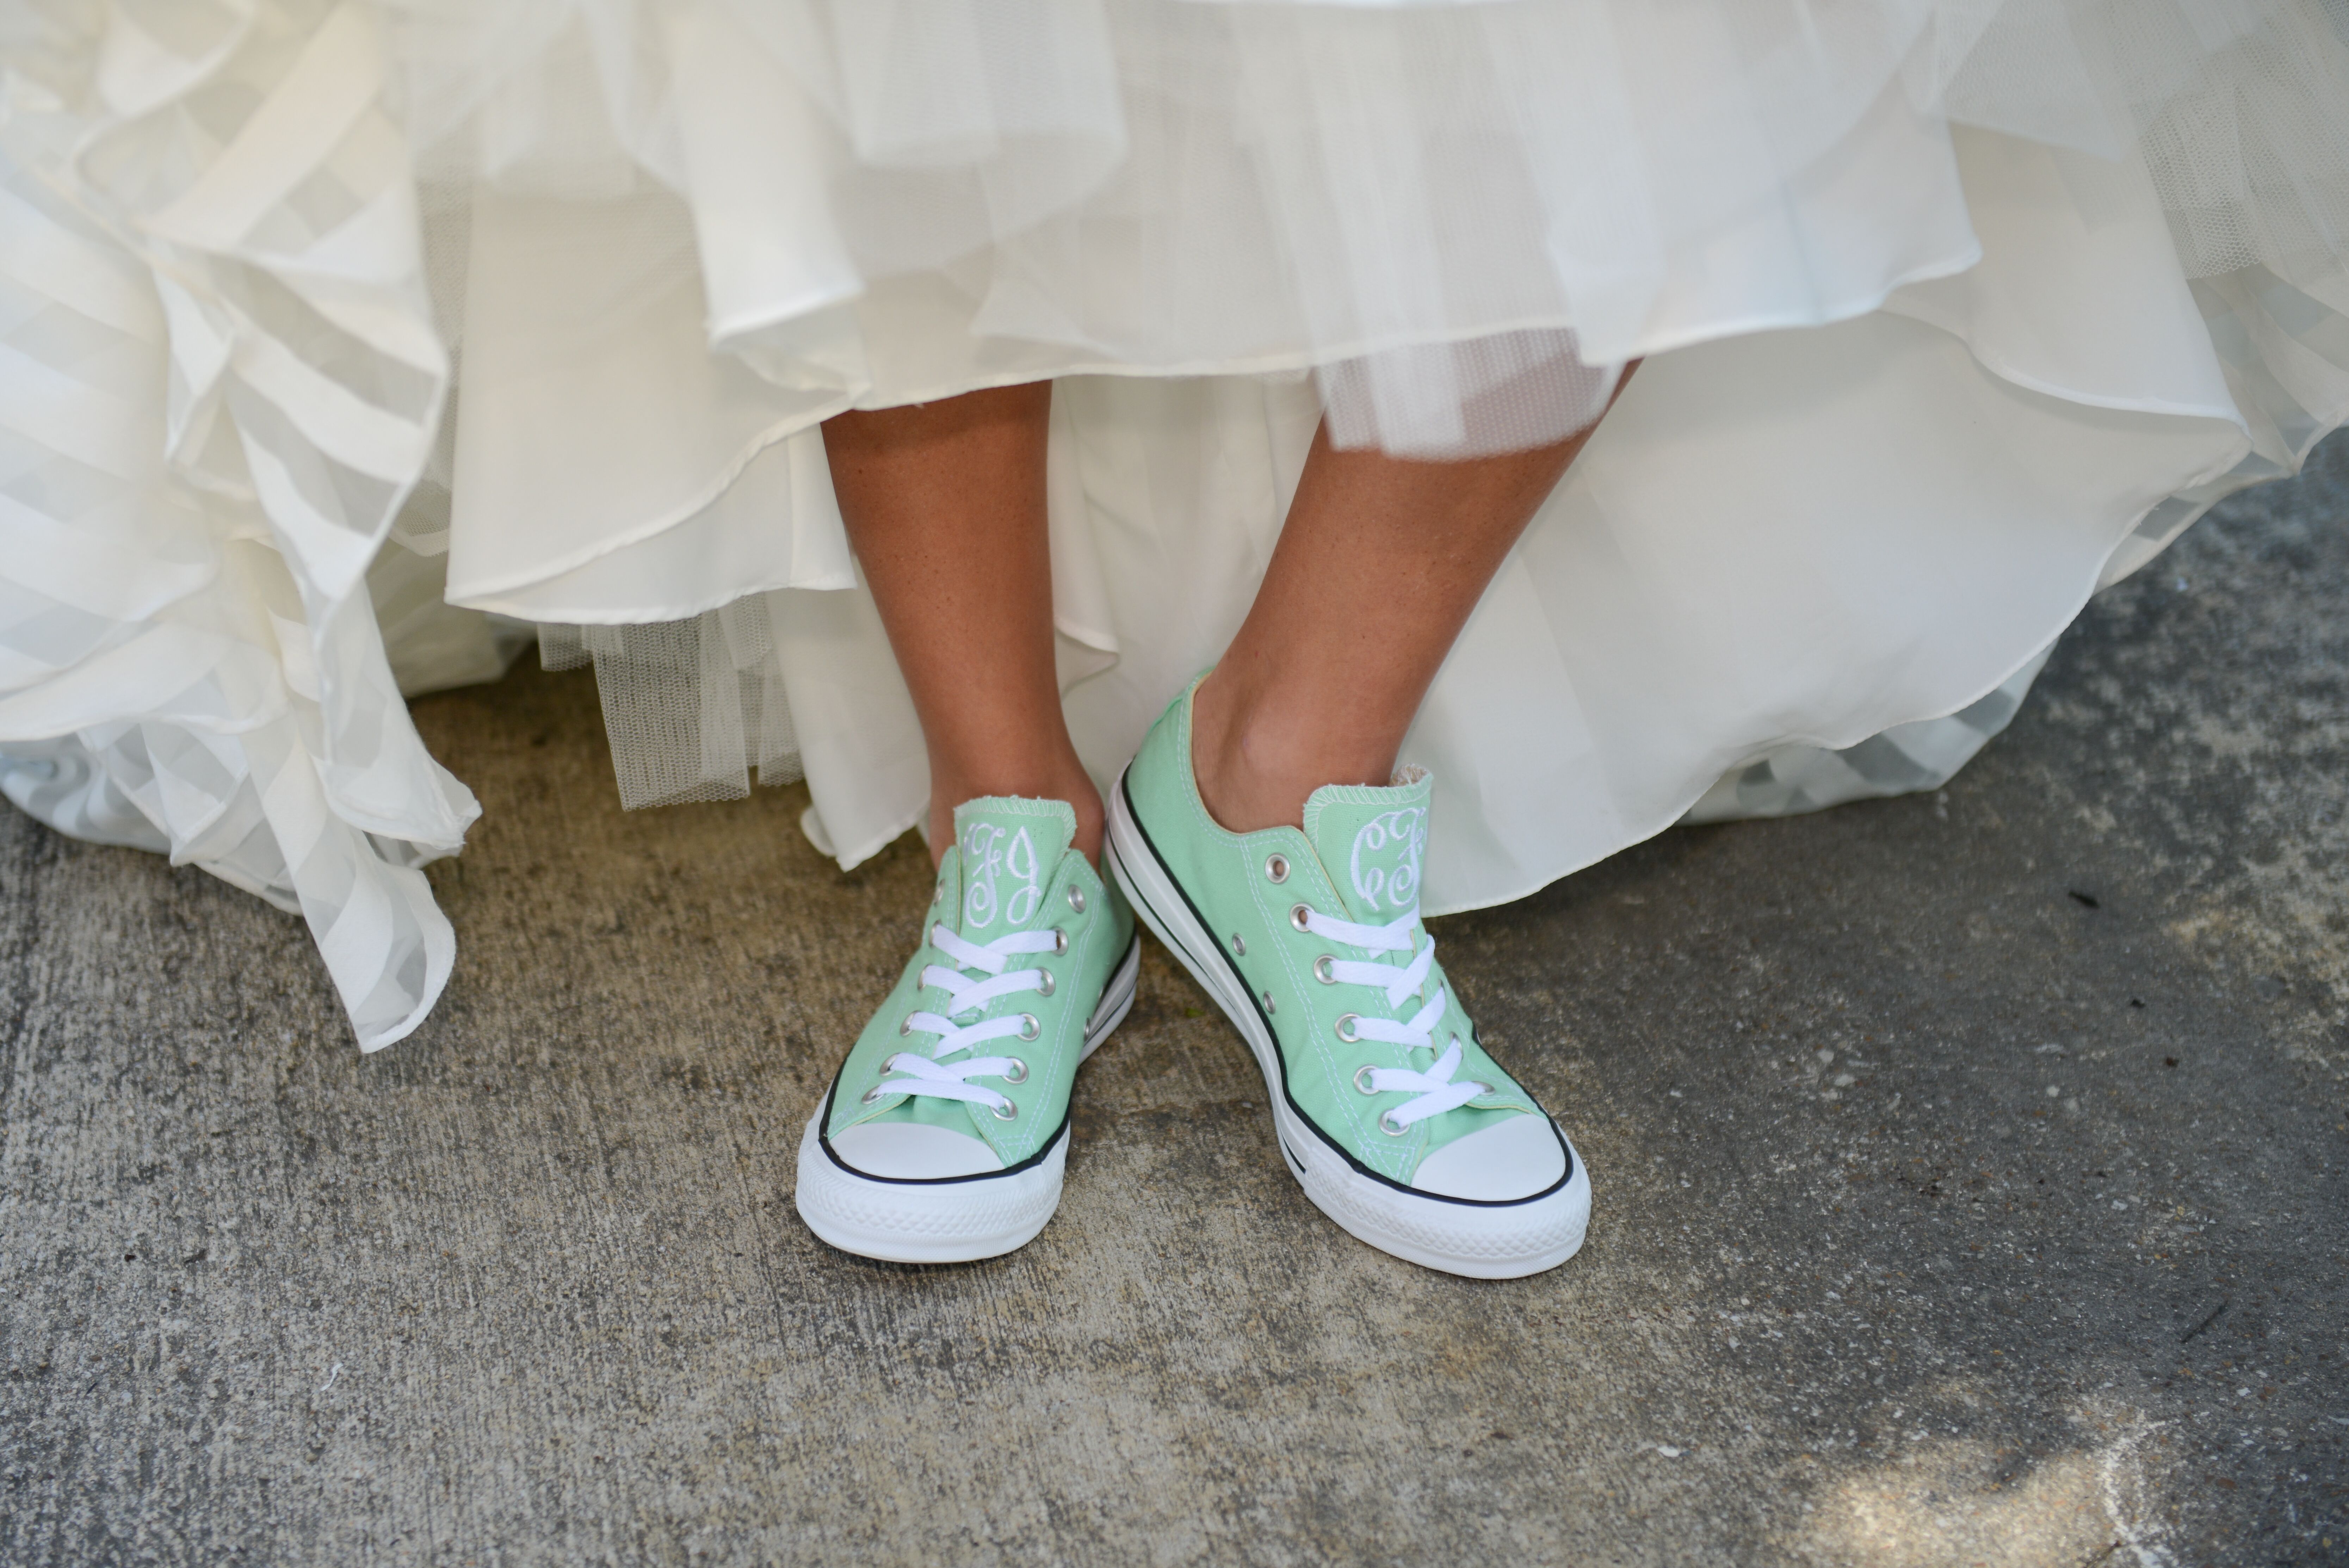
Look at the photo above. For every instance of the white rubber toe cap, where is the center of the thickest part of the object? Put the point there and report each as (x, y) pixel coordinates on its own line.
(1510, 1159)
(914, 1151)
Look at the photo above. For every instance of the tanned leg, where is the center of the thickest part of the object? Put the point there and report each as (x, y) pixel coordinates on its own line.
(945, 506)
(1379, 565)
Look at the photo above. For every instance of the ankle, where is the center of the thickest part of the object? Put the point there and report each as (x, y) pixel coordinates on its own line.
(1256, 767)
(1068, 781)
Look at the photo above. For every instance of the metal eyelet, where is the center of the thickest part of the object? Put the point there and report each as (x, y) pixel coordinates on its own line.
(1240, 945)
(1029, 1027)
(1361, 1073)
(1270, 1006)
(1323, 970)
(1019, 1077)
(938, 894)
(1008, 1111)
(905, 1026)
(1390, 1127)
(1059, 943)
(1077, 899)
(873, 1093)
(1277, 867)
(1345, 1027)
(1048, 986)
(1299, 917)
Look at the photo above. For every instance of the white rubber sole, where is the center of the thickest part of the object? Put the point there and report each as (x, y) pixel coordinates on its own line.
(958, 1219)
(1480, 1241)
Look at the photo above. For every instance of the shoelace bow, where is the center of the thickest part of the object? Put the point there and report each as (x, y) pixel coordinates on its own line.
(1436, 1089)
(933, 1074)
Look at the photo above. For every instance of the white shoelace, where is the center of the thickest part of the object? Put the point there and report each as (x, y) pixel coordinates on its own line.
(933, 1074)
(1437, 1092)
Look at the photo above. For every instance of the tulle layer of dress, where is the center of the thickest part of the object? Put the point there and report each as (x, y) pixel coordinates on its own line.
(320, 317)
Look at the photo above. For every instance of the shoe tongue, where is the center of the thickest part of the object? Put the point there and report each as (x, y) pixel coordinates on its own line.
(1011, 849)
(1371, 841)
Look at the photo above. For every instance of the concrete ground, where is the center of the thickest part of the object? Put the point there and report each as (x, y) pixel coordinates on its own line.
(1970, 1187)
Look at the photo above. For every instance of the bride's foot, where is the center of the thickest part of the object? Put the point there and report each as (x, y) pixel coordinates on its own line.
(1390, 1114)
(947, 1129)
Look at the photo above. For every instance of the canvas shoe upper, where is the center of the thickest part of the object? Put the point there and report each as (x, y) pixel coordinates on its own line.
(945, 1133)
(1389, 1109)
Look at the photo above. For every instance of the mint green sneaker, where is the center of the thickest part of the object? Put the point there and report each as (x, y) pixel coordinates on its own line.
(947, 1129)
(1387, 1110)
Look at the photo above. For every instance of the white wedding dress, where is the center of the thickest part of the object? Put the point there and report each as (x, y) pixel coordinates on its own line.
(345, 343)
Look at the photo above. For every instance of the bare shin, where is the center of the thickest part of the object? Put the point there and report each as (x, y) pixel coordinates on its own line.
(1379, 566)
(945, 506)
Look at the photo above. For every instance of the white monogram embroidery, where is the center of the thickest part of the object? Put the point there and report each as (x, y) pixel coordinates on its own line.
(1399, 837)
(987, 852)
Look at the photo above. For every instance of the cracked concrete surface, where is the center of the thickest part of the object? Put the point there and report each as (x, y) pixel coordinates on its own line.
(1969, 1172)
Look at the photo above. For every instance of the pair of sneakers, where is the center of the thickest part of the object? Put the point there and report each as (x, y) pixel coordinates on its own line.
(945, 1132)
